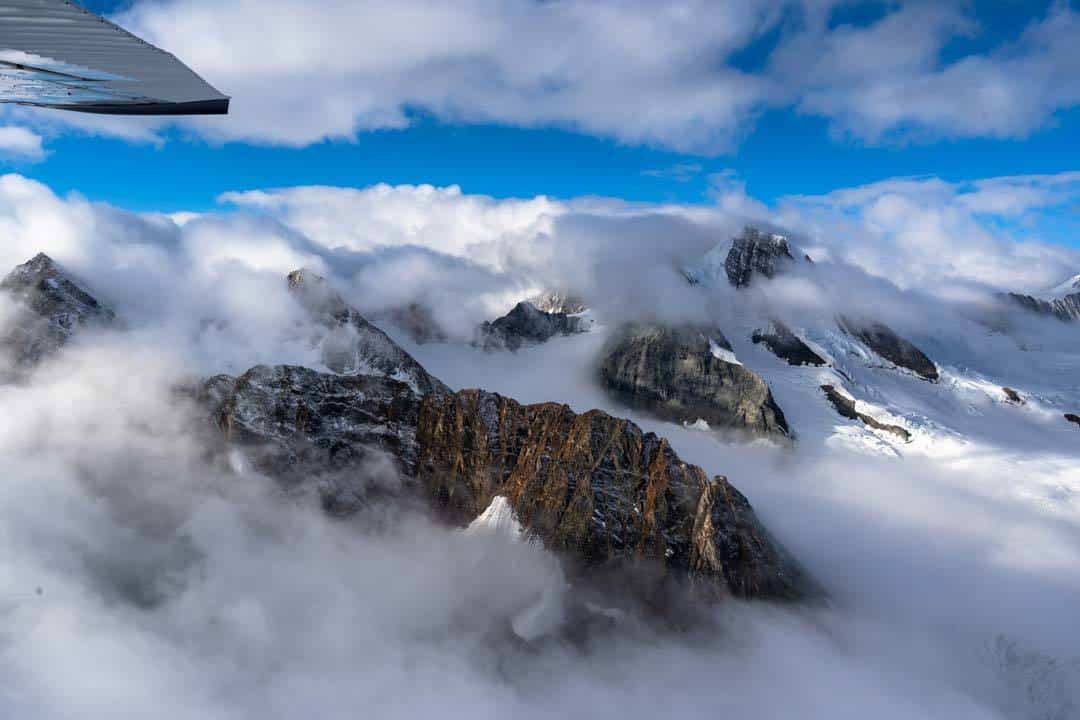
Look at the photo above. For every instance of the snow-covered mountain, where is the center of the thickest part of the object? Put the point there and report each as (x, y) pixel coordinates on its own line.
(528, 324)
(1061, 301)
(872, 428)
(753, 253)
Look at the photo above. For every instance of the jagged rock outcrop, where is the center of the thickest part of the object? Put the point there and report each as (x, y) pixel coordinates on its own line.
(1065, 308)
(592, 486)
(884, 341)
(52, 308)
(786, 345)
(599, 488)
(332, 431)
(351, 345)
(566, 302)
(754, 252)
(846, 407)
(685, 373)
(1012, 396)
(527, 324)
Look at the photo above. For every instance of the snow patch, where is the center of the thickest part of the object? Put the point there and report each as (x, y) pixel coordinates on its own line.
(1065, 288)
(497, 519)
(722, 353)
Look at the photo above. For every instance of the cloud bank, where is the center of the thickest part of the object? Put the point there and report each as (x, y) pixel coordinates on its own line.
(689, 76)
(20, 143)
(139, 578)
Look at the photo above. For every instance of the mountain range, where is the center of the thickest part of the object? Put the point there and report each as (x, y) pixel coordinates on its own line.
(595, 489)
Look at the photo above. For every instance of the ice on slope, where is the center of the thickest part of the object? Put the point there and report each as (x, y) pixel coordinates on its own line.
(544, 615)
(1071, 285)
(722, 353)
(497, 519)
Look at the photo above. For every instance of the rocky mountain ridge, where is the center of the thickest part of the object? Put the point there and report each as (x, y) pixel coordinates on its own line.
(593, 487)
(754, 252)
(845, 406)
(884, 341)
(527, 324)
(51, 309)
(786, 345)
(1065, 308)
(351, 345)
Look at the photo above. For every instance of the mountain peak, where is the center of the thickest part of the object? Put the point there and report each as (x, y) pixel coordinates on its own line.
(560, 301)
(754, 251)
(352, 345)
(526, 323)
(54, 308)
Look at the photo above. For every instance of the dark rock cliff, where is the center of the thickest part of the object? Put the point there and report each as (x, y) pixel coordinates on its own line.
(846, 407)
(351, 344)
(598, 487)
(555, 301)
(786, 345)
(52, 308)
(756, 253)
(528, 324)
(1065, 308)
(589, 485)
(679, 373)
(883, 340)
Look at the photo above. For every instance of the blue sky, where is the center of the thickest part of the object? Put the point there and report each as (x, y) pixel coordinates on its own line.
(777, 147)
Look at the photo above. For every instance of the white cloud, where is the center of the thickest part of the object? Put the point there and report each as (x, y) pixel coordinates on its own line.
(444, 219)
(300, 72)
(889, 80)
(926, 232)
(657, 73)
(21, 142)
(679, 172)
(197, 593)
(916, 232)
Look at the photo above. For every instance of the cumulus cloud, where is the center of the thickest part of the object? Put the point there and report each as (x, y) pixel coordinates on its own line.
(916, 232)
(669, 74)
(929, 232)
(889, 79)
(21, 143)
(339, 68)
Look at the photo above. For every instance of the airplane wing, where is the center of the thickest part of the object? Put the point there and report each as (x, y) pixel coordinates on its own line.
(54, 53)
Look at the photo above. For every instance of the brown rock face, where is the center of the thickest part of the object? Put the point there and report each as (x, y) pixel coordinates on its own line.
(590, 486)
(595, 486)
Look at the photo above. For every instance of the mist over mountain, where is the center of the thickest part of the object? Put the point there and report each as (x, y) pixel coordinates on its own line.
(235, 488)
